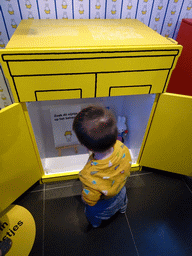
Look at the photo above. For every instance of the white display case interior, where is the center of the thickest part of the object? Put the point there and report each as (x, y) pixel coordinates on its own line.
(136, 109)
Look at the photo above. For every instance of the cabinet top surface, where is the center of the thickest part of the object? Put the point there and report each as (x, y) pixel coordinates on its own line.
(69, 34)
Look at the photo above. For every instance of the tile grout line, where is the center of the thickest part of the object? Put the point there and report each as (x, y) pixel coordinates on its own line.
(43, 219)
(80, 185)
(52, 188)
(132, 234)
(140, 174)
(62, 187)
(187, 185)
(41, 190)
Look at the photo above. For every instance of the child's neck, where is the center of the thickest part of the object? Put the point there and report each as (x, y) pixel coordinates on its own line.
(103, 155)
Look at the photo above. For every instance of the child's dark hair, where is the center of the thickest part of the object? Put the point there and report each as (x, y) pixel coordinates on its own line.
(95, 128)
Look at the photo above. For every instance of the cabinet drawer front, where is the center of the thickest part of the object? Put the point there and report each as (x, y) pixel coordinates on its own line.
(58, 94)
(128, 83)
(36, 88)
(92, 65)
(129, 90)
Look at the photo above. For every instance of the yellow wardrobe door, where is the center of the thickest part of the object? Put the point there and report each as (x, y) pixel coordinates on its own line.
(19, 166)
(168, 145)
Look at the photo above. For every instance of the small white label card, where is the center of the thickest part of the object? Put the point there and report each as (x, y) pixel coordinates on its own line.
(62, 122)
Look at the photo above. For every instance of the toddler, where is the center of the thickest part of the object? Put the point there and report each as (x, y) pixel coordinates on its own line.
(105, 174)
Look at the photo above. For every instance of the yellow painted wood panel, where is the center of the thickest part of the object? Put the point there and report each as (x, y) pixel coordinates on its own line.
(84, 33)
(57, 95)
(89, 65)
(168, 145)
(58, 47)
(132, 90)
(20, 168)
(32, 88)
(60, 54)
(127, 83)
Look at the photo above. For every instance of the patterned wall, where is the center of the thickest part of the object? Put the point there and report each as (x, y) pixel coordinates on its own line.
(164, 16)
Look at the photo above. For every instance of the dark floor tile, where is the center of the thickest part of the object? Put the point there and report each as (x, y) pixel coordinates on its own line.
(63, 189)
(61, 184)
(37, 187)
(160, 214)
(67, 232)
(141, 172)
(33, 202)
(188, 181)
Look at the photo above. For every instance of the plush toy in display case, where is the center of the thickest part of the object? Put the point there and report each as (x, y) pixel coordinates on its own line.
(122, 128)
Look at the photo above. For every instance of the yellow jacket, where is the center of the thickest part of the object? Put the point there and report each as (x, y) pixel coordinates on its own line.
(103, 179)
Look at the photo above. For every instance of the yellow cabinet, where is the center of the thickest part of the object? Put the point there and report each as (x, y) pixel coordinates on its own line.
(165, 143)
(168, 145)
(122, 64)
(20, 163)
(130, 83)
(65, 59)
(39, 88)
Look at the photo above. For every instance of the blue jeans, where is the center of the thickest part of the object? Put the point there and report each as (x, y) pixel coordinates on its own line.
(105, 209)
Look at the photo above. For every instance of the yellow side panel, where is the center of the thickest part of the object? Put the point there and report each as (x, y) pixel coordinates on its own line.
(19, 167)
(168, 145)
(55, 87)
